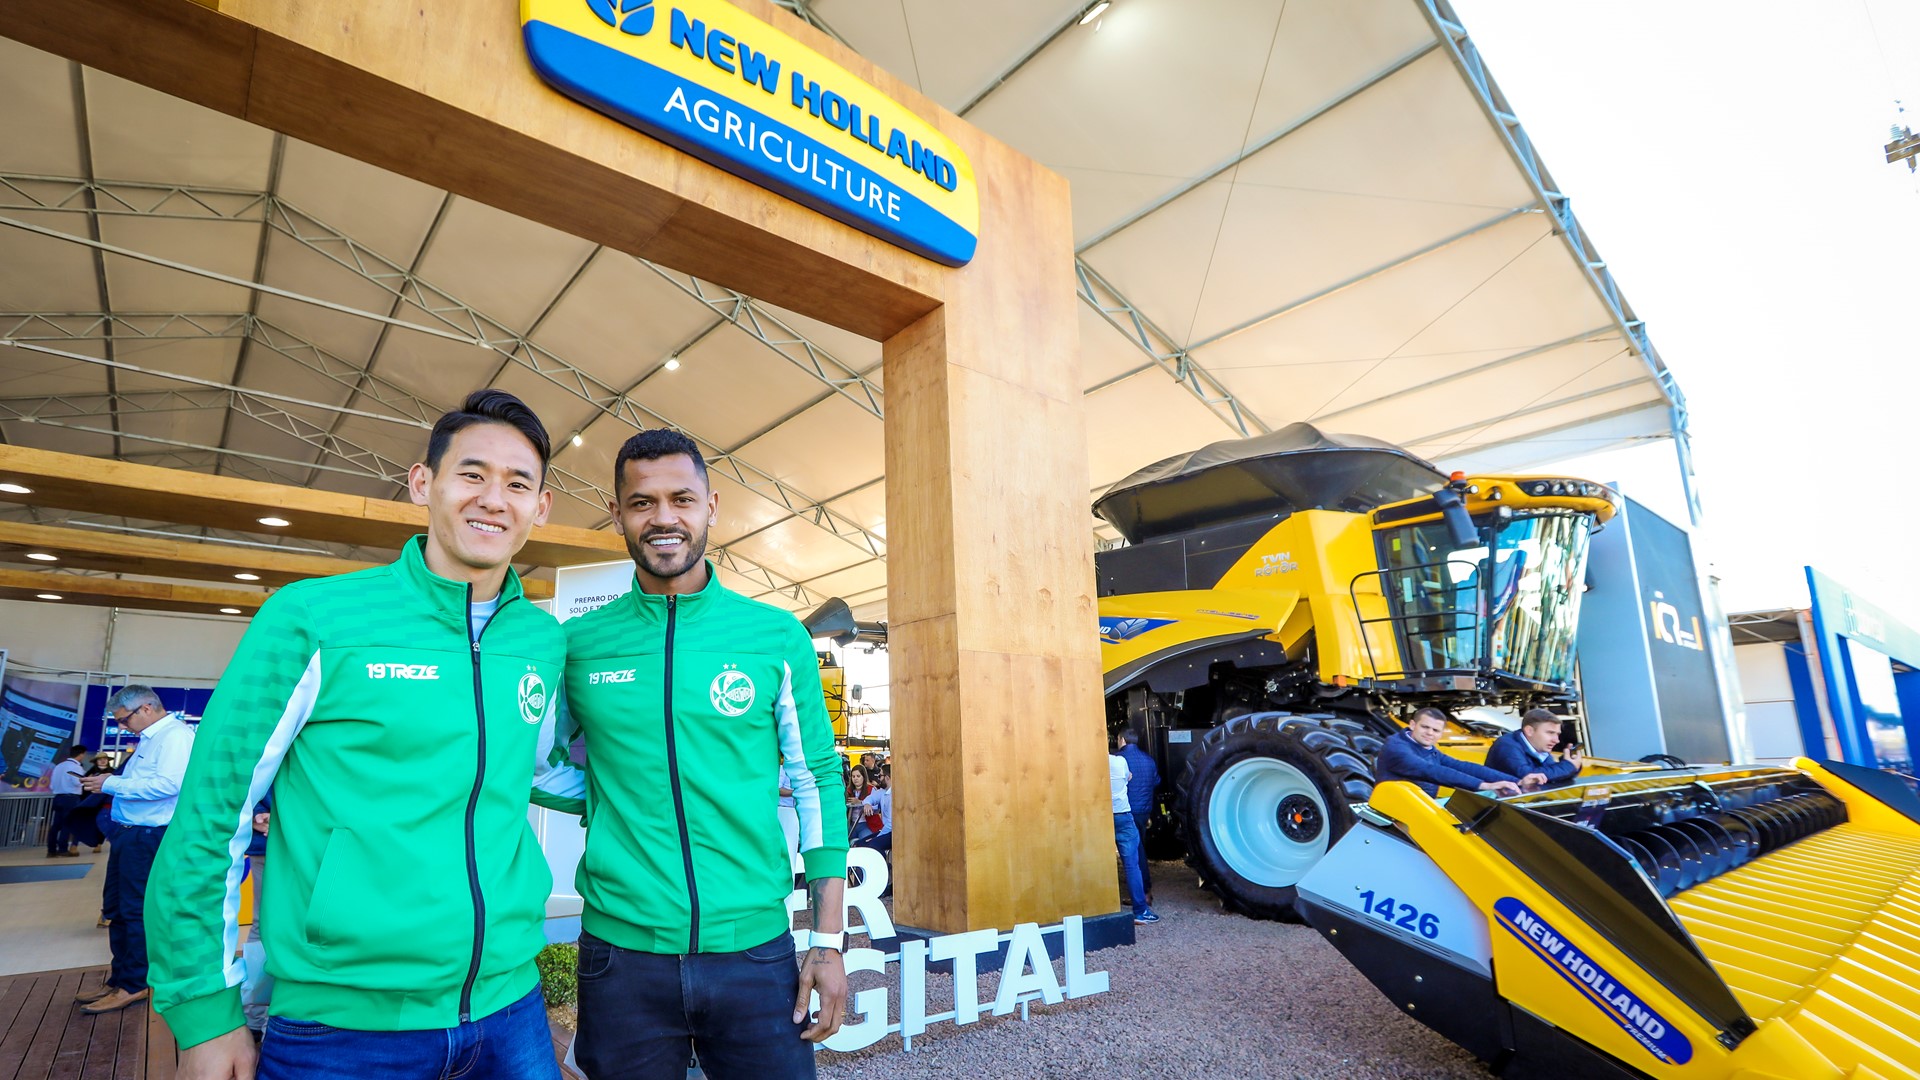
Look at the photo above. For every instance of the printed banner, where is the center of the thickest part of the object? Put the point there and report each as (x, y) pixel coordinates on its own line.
(36, 724)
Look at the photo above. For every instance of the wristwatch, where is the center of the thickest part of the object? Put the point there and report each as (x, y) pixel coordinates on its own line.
(835, 941)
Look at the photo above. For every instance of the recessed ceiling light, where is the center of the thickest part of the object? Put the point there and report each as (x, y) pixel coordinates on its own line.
(247, 577)
(1094, 11)
(672, 364)
(275, 522)
(41, 556)
(50, 596)
(577, 440)
(16, 489)
(229, 611)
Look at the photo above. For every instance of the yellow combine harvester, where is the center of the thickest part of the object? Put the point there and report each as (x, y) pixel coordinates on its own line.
(1285, 602)
(1713, 923)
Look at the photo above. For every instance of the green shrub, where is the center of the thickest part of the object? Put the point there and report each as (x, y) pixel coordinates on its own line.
(558, 965)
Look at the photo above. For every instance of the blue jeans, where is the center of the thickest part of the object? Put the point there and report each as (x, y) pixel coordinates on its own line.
(1140, 818)
(1126, 836)
(514, 1043)
(59, 833)
(124, 900)
(641, 1014)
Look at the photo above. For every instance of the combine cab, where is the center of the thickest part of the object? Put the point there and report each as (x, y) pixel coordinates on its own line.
(1746, 924)
(1285, 601)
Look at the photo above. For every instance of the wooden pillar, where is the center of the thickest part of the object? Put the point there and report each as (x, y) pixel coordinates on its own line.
(1002, 811)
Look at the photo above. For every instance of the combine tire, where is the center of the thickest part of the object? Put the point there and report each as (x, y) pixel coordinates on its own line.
(1262, 800)
(1667, 760)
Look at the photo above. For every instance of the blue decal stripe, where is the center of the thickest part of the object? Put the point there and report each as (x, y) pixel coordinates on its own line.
(636, 93)
(1580, 985)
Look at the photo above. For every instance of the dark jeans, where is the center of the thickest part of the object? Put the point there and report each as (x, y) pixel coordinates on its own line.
(514, 1043)
(1127, 839)
(129, 862)
(59, 831)
(1140, 818)
(641, 1013)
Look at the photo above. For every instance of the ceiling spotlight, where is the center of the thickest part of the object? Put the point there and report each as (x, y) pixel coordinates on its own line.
(577, 440)
(229, 611)
(16, 489)
(1095, 11)
(672, 364)
(247, 577)
(49, 596)
(275, 522)
(41, 556)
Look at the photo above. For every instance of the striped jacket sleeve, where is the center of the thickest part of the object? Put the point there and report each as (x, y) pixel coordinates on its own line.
(811, 762)
(193, 899)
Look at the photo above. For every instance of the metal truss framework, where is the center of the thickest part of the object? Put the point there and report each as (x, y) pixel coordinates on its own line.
(1122, 315)
(1468, 61)
(65, 411)
(462, 321)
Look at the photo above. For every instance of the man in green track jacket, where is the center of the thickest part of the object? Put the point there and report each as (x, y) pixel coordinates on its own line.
(695, 697)
(397, 714)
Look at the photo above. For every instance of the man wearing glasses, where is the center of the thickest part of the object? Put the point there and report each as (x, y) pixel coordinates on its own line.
(143, 798)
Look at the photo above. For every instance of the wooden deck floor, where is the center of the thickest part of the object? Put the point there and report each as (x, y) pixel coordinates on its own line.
(45, 1036)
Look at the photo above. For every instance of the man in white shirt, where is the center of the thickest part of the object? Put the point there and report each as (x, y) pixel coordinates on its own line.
(63, 780)
(143, 798)
(1126, 835)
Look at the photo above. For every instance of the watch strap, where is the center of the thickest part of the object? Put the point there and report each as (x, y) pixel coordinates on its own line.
(835, 941)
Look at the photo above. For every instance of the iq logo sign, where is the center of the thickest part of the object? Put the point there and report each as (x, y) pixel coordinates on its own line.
(533, 697)
(628, 16)
(731, 692)
(740, 94)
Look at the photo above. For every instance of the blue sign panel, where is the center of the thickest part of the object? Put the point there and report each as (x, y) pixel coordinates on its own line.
(713, 81)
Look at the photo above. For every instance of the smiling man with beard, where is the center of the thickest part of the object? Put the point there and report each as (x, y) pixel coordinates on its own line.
(698, 697)
(397, 714)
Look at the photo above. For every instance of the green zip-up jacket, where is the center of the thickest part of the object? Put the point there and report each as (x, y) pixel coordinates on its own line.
(691, 707)
(408, 891)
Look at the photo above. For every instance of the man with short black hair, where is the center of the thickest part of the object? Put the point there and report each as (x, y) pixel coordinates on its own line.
(685, 941)
(1528, 751)
(1143, 785)
(144, 795)
(1413, 755)
(63, 782)
(397, 714)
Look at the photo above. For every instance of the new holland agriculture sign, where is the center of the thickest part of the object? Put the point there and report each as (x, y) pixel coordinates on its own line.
(725, 87)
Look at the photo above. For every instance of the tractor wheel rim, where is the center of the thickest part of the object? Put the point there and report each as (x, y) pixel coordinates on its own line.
(1254, 807)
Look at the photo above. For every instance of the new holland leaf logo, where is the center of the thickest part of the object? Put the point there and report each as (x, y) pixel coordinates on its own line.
(628, 16)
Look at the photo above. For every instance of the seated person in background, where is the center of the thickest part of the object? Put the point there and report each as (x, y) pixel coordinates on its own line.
(1529, 751)
(1410, 755)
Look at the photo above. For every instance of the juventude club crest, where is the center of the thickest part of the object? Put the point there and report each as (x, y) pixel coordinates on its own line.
(732, 692)
(533, 697)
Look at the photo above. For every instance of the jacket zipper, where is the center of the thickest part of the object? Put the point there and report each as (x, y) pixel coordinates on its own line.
(473, 803)
(679, 805)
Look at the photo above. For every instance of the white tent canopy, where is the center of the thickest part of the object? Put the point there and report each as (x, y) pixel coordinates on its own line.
(1319, 210)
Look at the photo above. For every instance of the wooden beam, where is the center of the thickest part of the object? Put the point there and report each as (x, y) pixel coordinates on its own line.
(96, 485)
(119, 553)
(1002, 779)
(443, 93)
(119, 592)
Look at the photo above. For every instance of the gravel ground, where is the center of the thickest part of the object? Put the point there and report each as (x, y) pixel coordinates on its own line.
(1201, 993)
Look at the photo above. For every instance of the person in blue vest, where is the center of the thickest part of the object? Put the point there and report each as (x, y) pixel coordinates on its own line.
(1411, 755)
(1141, 788)
(1529, 750)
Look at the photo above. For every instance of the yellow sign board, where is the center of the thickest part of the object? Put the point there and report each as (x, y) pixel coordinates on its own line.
(717, 83)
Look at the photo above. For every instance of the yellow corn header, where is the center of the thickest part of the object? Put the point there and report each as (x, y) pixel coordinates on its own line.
(1736, 923)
